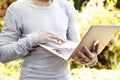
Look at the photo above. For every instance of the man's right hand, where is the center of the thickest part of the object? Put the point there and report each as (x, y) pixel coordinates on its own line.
(45, 37)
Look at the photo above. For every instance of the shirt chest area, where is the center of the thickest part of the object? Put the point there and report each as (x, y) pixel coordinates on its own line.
(45, 20)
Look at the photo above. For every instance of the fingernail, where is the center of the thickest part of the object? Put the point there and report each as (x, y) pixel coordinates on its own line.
(96, 42)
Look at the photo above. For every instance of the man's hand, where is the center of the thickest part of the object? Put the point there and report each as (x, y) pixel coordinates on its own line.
(45, 37)
(88, 57)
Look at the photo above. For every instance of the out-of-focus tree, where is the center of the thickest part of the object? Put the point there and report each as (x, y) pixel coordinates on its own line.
(78, 4)
(3, 7)
(118, 4)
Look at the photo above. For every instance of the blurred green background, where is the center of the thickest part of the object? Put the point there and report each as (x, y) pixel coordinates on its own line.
(88, 12)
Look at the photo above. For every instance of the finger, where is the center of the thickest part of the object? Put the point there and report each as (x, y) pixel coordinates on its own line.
(54, 41)
(53, 36)
(82, 57)
(58, 39)
(50, 33)
(93, 46)
(96, 42)
(96, 47)
(80, 60)
(88, 53)
(92, 62)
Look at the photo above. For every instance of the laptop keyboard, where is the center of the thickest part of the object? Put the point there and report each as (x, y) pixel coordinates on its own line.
(64, 50)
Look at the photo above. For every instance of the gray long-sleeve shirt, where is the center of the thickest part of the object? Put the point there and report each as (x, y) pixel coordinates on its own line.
(18, 38)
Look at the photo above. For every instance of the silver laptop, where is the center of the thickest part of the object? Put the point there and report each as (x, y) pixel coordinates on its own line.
(102, 33)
